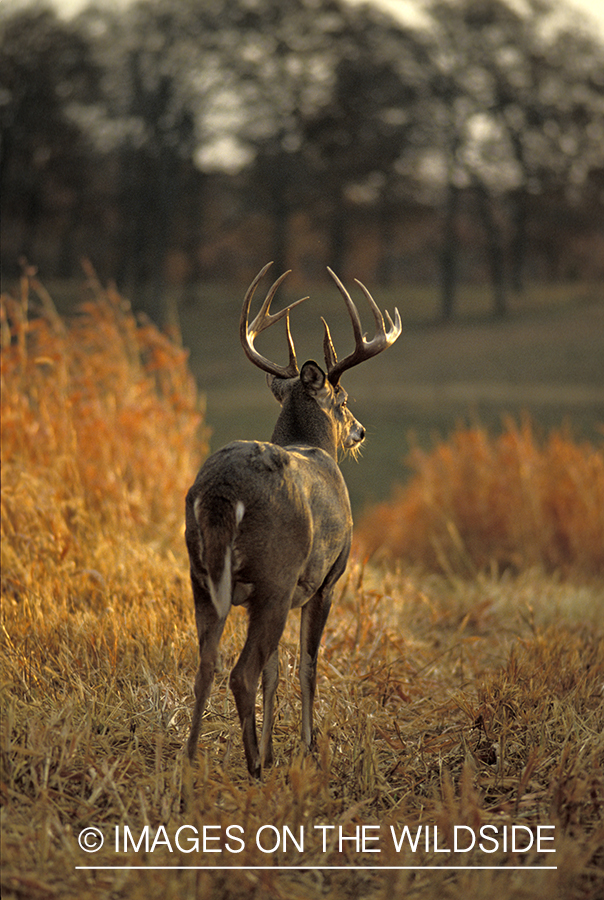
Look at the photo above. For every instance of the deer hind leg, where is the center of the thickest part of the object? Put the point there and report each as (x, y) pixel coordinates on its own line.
(312, 623)
(209, 630)
(270, 678)
(265, 628)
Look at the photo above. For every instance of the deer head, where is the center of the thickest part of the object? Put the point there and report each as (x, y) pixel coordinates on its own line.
(323, 387)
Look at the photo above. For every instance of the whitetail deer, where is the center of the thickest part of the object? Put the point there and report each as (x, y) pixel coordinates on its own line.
(268, 525)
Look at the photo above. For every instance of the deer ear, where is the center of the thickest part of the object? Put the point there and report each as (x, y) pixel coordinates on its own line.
(312, 377)
(280, 387)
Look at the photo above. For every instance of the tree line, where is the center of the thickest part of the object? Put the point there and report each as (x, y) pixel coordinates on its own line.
(177, 136)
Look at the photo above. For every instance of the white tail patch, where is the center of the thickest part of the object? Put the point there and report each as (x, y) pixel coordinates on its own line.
(222, 593)
(197, 507)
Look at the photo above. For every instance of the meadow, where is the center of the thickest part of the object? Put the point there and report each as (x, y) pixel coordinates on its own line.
(546, 357)
(461, 677)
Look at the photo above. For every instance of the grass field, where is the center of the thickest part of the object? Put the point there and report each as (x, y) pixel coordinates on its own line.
(456, 693)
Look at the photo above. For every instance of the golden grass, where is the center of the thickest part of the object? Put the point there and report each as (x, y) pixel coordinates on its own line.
(442, 701)
(512, 501)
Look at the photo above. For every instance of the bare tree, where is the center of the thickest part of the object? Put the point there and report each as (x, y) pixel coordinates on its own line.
(46, 73)
(518, 109)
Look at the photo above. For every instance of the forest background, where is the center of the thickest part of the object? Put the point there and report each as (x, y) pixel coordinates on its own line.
(174, 144)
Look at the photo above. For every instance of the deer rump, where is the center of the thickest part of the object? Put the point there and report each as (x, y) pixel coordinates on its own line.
(269, 522)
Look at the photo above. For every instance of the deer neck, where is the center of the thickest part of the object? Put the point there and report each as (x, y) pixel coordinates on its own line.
(302, 421)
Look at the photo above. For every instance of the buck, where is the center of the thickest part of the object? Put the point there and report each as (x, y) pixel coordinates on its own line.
(269, 526)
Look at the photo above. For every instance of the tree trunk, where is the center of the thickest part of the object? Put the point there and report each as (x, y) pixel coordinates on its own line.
(280, 230)
(448, 260)
(518, 248)
(338, 235)
(495, 251)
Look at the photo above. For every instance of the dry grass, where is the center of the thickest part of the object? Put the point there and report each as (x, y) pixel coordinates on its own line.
(442, 700)
(511, 501)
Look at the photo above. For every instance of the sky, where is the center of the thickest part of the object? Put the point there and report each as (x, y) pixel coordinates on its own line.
(594, 8)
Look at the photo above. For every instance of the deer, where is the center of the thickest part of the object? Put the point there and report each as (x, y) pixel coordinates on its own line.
(269, 524)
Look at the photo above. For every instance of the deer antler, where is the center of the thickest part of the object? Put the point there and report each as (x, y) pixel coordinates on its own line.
(364, 349)
(248, 333)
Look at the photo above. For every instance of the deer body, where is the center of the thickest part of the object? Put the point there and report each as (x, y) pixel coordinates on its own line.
(269, 526)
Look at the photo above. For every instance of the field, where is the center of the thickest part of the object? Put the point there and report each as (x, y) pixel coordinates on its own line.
(547, 358)
(460, 690)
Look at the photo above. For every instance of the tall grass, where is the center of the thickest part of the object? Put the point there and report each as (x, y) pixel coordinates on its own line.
(102, 427)
(507, 502)
(441, 701)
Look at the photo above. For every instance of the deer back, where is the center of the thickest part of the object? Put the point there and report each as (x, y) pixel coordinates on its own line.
(274, 517)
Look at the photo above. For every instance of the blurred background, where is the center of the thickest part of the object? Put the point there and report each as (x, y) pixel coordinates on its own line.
(448, 154)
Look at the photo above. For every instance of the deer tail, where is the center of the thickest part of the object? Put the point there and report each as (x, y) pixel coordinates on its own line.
(218, 527)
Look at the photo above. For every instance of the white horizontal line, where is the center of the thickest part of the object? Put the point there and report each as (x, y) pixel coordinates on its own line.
(323, 868)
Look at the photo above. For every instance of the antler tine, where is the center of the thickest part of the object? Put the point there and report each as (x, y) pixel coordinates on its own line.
(395, 328)
(248, 332)
(329, 351)
(364, 349)
(352, 310)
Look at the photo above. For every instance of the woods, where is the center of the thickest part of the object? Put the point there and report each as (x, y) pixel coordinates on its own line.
(172, 142)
